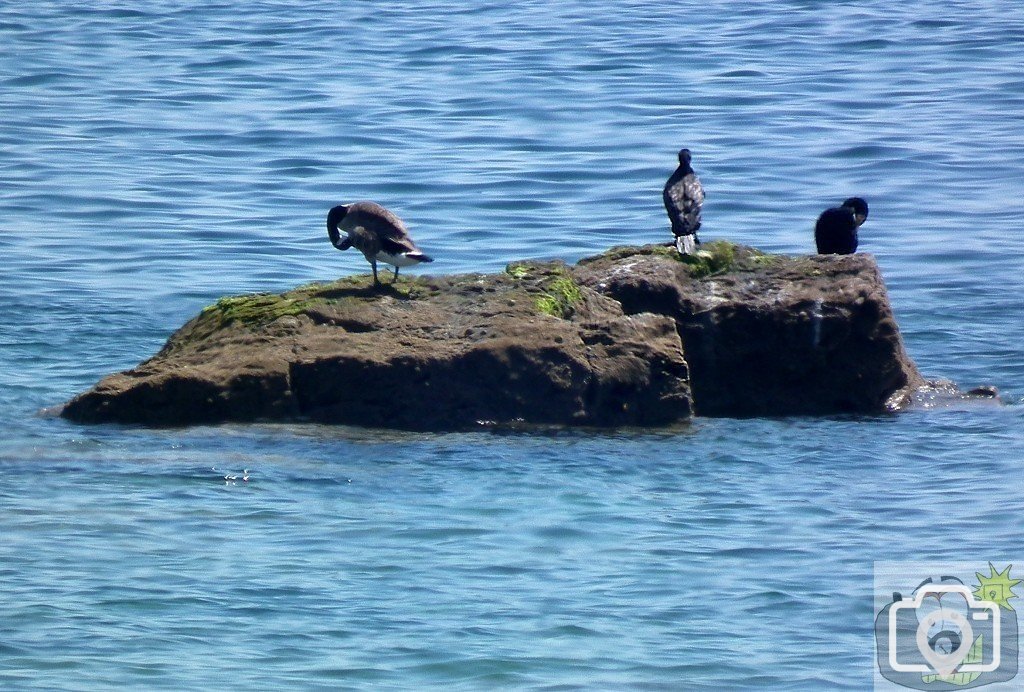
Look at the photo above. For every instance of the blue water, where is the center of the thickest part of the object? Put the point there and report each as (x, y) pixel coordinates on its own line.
(153, 159)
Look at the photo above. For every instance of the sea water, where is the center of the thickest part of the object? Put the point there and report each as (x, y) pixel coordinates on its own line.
(157, 156)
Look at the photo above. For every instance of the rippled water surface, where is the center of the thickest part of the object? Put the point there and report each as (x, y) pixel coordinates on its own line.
(153, 159)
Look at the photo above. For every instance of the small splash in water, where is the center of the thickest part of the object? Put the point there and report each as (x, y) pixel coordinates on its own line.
(232, 477)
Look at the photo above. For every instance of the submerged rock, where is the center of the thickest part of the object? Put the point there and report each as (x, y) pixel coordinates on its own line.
(635, 336)
(943, 394)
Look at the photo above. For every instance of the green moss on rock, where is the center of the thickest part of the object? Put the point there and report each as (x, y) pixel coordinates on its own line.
(556, 291)
(560, 298)
(518, 270)
(714, 257)
(620, 252)
(255, 309)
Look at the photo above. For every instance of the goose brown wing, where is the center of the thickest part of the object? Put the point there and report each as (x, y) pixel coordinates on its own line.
(394, 245)
(384, 224)
(393, 234)
(384, 216)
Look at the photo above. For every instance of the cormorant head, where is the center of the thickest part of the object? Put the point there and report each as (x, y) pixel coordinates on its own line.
(334, 217)
(859, 208)
(684, 157)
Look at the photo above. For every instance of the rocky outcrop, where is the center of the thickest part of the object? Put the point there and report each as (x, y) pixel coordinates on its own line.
(428, 353)
(770, 335)
(636, 336)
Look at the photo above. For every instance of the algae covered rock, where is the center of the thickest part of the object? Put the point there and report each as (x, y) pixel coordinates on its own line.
(769, 334)
(528, 345)
(635, 336)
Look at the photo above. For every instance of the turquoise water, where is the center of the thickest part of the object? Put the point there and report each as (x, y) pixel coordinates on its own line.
(157, 158)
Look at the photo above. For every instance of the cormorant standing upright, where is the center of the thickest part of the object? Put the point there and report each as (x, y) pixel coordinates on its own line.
(684, 197)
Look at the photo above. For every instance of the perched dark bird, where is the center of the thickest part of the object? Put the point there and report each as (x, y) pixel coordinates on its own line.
(376, 232)
(684, 197)
(835, 233)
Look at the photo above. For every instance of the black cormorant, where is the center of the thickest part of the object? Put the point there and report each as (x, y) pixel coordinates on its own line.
(684, 197)
(835, 233)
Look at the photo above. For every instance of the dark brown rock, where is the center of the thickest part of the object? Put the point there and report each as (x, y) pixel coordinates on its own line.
(428, 353)
(601, 343)
(769, 334)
